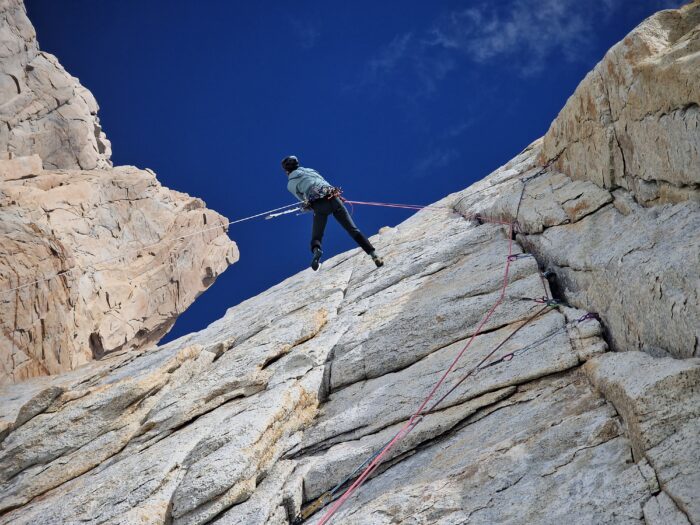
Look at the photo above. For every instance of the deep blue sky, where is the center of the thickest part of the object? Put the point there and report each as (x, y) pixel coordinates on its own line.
(394, 101)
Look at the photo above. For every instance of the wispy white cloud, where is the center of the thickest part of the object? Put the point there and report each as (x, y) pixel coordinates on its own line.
(518, 35)
(458, 129)
(407, 55)
(524, 34)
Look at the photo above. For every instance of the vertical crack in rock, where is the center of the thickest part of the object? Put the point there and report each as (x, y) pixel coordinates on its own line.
(612, 182)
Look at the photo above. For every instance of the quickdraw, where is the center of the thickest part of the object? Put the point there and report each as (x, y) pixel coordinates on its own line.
(543, 300)
(589, 317)
(519, 256)
(515, 353)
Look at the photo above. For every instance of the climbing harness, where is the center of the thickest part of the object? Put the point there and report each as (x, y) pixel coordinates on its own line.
(323, 193)
(335, 192)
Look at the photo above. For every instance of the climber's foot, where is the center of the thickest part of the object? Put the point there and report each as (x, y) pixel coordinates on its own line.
(316, 261)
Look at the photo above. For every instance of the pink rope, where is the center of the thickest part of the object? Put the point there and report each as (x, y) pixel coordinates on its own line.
(474, 216)
(415, 418)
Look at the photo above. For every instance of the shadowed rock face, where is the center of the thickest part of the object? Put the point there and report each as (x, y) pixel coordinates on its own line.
(270, 407)
(64, 210)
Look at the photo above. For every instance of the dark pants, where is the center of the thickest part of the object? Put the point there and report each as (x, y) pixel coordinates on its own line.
(322, 209)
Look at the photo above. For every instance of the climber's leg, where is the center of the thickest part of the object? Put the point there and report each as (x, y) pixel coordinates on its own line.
(341, 215)
(322, 210)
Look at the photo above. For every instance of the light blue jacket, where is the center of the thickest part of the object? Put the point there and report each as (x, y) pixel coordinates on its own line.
(306, 184)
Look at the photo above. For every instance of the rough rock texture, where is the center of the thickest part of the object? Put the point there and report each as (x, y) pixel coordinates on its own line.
(659, 400)
(634, 121)
(208, 418)
(114, 236)
(43, 109)
(637, 266)
(264, 411)
(630, 137)
(268, 408)
(91, 258)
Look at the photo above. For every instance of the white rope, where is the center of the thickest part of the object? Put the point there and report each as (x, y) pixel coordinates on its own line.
(145, 247)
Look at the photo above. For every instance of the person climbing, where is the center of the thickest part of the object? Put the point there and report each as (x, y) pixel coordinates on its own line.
(317, 194)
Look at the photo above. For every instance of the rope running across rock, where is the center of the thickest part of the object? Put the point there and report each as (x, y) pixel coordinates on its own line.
(371, 465)
(373, 462)
(417, 415)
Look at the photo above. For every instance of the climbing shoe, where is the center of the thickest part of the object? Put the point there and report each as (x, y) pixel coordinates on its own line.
(316, 261)
(377, 260)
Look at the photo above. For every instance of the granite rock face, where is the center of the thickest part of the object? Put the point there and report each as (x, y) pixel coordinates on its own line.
(622, 238)
(634, 121)
(271, 409)
(636, 266)
(94, 262)
(43, 109)
(257, 416)
(659, 400)
(91, 257)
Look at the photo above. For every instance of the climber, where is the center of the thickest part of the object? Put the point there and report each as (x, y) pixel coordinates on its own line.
(317, 194)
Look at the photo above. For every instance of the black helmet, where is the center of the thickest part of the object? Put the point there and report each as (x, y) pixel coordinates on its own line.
(290, 163)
